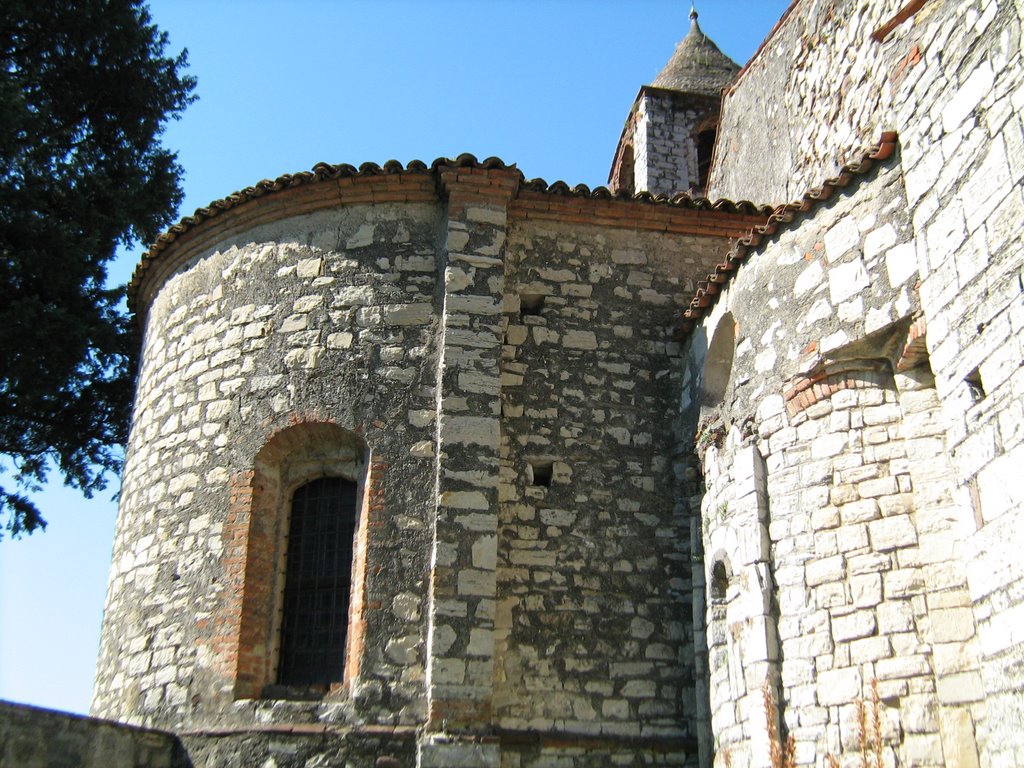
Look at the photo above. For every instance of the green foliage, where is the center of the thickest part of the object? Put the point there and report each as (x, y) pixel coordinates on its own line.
(85, 91)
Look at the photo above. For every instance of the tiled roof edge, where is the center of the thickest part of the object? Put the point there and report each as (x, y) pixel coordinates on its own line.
(781, 219)
(322, 172)
(678, 200)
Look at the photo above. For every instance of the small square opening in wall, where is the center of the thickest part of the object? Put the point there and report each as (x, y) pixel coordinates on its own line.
(531, 304)
(540, 472)
(975, 386)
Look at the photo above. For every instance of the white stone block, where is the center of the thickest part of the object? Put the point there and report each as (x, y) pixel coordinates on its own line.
(838, 686)
(843, 237)
(471, 430)
(968, 96)
(1001, 486)
(879, 240)
(809, 279)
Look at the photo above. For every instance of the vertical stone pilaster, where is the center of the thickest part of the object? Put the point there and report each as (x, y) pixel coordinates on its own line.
(460, 645)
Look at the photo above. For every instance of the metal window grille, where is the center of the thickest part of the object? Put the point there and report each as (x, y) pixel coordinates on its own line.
(318, 576)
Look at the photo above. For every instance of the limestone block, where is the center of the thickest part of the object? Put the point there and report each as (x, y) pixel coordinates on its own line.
(308, 268)
(585, 340)
(858, 511)
(855, 625)
(956, 728)
(918, 713)
(842, 237)
(470, 430)
(472, 305)
(961, 688)
(866, 590)
(999, 485)
(879, 240)
(829, 569)
(881, 486)
(476, 582)
(892, 532)
(403, 650)
(407, 314)
(495, 215)
(809, 279)
(951, 624)
(838, 686)
(920, 749)
(444, 753)
(913, 665)
(845, 280)
(870, 649)
(968, 96)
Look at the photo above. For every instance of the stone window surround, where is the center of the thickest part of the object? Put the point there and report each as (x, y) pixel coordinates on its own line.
(293, 456)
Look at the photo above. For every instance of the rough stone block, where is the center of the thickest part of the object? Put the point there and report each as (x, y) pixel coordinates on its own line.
(892, 532)
(838, 686)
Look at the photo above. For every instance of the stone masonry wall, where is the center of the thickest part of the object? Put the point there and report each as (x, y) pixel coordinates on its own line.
(951, 81)
(39, 738)
(326, 317)
(832, 542)
(665, 147)
(594, 625)
(502, 389)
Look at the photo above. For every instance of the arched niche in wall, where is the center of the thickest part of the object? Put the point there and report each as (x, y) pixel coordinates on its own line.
(287, 463)
(714, 378)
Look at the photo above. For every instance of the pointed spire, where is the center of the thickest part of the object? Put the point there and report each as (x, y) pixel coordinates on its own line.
(697, 66)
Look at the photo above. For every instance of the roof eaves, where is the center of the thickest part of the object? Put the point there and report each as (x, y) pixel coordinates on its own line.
(325, 173)
(678, 200)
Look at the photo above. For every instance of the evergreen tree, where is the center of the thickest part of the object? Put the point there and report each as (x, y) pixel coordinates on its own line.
(85, 91)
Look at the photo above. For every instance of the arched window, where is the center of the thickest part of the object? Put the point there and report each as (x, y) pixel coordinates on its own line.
(719, 582)
(317, 583)
(296, 538)
(718, 363)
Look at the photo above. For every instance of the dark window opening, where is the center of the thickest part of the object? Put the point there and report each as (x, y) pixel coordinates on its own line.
(542, 471)
(719, 582)
(318, 579)
(705, 148)
(531, 304)
(975, 385)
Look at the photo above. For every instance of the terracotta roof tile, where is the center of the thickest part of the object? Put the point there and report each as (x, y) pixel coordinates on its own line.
(780, 219)
(322, 173)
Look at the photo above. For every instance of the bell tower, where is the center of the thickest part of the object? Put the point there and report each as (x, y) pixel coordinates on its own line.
(668, 138)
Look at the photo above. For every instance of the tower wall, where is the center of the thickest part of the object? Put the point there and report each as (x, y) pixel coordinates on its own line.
(330, 317)
(948, 79)
(665, 130)
(501, 386)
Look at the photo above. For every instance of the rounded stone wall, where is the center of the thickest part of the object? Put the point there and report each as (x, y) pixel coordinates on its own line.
(311, 340)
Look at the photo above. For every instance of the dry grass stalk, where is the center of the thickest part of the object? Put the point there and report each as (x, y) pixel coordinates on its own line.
(782, 755)
(862, 730)
(876, 723)
(869, 729)
(831, 761)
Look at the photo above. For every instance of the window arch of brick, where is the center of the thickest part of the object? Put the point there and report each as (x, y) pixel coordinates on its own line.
(255, 538)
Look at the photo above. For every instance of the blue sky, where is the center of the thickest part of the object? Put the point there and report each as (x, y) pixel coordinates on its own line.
(546, 84)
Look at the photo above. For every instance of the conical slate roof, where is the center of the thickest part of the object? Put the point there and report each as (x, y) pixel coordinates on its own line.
(697, 66)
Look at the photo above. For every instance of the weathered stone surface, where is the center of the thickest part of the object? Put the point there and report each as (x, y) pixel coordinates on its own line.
(575, 521)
